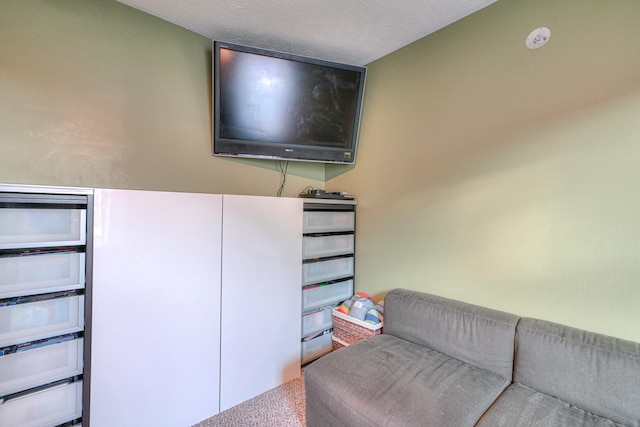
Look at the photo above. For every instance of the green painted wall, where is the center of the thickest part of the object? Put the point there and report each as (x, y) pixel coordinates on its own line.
(486, 172)
(507, 177)
(96, 94)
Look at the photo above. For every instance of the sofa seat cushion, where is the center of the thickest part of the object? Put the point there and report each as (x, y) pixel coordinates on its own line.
(520, 406)
(387, 381)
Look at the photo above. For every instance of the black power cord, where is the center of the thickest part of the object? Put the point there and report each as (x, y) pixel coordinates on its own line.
(283, 170)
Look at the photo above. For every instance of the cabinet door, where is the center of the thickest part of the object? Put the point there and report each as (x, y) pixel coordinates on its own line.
(156, 298)
(261, 293)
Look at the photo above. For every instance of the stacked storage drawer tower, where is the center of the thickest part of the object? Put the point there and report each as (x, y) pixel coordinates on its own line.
(43, 258)
(327, 271)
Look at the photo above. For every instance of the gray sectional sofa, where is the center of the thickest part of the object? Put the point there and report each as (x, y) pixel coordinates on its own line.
(442, 362)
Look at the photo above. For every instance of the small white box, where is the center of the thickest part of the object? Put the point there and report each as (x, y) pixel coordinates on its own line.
(316, 347)
(31, 368)
(328, 221)
(316, 321)
(42, 227)
(49, 407)
(331, 269)
(39, 274)
(36, 320)
(326, 246)
(318, 296)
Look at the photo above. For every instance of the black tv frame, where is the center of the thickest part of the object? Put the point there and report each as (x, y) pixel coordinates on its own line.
(286, 150)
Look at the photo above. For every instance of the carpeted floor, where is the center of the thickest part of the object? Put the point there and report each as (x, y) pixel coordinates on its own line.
(282, 406)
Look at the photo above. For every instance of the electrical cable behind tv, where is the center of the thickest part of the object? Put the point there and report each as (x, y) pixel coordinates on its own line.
(283, 171)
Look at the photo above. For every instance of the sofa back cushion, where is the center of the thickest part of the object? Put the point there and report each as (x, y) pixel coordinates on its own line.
(476, 335)
(594, 372)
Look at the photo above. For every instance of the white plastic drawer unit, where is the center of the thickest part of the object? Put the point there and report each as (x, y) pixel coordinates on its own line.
(36, 228)
(41, 319)
(38, 274)
(30, 368)
(316, 347)
(330, 269)
(316, 321)
(48, 407)
(327, 246)
(328, 221)
(326, 294)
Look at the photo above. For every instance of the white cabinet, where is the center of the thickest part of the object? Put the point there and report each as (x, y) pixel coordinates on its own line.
(261, 253)
(156, 311)
(48, 407)
(48, 272)
(327, 269)
(315, 297)
(326, 246)
(31, 321)
(37, 228)
(328, 221)
(41, 365)
(196, 304)
(44, 290)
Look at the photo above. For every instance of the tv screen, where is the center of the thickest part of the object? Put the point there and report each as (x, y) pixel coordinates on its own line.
(275, 105)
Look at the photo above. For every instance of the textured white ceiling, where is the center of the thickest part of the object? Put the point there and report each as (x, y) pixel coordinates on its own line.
(350, 31)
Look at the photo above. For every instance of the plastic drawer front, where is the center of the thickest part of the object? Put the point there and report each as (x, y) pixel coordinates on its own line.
(45, 408)
(38, 274)
(316, 347)
(318, 296)
(326, 246)
(31, 368)
(316, 321)
(36, 320)
(42, 227)
(322, 271)
(327, 221)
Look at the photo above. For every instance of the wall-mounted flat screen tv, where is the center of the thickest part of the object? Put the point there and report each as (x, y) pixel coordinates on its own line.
(276, 105)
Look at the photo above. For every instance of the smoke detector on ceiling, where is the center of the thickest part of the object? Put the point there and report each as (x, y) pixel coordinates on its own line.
(538, 37)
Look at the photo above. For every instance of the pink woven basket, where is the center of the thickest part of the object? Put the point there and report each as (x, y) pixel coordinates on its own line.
(350, 330)
(337, 344)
